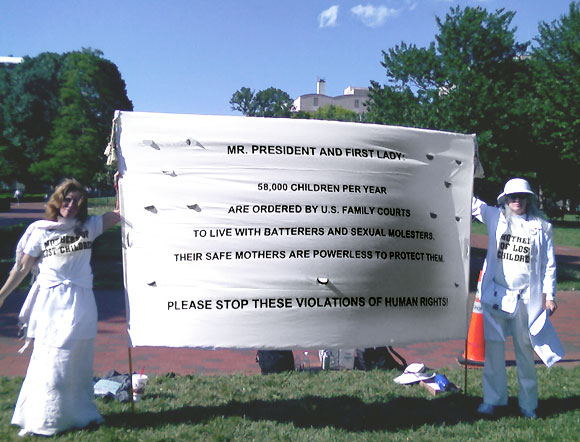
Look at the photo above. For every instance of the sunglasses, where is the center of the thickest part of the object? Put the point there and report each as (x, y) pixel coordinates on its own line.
(517, 196)
(68, 200)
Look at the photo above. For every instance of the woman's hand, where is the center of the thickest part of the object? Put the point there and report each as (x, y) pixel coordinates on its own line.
(552, 306)
(116, 180)
(112, 218)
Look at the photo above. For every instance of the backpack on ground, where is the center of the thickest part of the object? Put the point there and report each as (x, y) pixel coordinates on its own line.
(275, 361)
(381, 358)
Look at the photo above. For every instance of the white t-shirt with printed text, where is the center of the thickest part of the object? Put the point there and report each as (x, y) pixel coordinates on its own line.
(65, 306)
(513, 255)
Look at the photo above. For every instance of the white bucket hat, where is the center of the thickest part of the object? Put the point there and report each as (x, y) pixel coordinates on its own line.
(515, 185)
(414, 372)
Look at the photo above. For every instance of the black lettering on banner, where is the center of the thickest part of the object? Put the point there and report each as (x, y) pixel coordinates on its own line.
(370, 210)
(414, 301)
(272, 303)
(393, 255)
(248, 231)
(301, 254)
(193, 304)
(282, 150)
(337, 231)
(382, 190)
(404, 255)
(273, 187)
(401, 301)
(239, 209)
(307, 302)
(390, 155)
(190, 256)
(236, 150)
(282, 208)
(260, 254)
(343, 254)
(433, 301)
(312, 302)
(410, 234)
(322, 188)
(232, 304)
(351, 188)
(212, 233)
(218, 256)
(293, 231)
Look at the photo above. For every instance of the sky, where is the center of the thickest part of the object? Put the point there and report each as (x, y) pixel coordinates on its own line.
(190, 56)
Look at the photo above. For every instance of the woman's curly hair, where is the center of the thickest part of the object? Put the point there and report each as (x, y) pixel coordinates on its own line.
(52, 211)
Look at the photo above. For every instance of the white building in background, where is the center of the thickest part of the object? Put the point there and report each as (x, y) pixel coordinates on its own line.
(353, 99)
(11, 60)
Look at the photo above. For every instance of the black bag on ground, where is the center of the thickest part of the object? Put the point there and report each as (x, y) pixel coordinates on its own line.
(275, 361)
(380, 358)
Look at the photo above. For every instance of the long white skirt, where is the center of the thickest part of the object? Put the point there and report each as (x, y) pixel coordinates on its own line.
(57, 393)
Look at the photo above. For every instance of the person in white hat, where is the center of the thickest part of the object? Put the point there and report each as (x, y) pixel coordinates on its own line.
(519, 277)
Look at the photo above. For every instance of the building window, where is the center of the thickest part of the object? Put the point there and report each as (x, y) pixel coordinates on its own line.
(315, 101)
(356, 103)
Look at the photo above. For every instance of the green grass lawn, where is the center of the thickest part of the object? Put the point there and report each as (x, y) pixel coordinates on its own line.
(567, 232)
(322, 406)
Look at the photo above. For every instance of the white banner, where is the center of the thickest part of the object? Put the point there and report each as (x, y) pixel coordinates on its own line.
(275, 233)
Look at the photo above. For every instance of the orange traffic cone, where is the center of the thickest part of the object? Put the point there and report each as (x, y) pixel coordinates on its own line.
(475, 341)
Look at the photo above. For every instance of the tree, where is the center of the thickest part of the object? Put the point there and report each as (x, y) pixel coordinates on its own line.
(273, 102)
(269, 102)
(556, 67)
(329, 112)
(56, 116)
(243, 101)
(28, 107)
(474, 78)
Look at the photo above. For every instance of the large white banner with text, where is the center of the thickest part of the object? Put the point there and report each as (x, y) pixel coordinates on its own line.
(279, 233)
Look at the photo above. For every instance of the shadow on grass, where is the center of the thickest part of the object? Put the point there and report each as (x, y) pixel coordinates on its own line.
(345, 412)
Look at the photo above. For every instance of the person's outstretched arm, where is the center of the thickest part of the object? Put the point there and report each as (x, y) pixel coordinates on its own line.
(16, 276)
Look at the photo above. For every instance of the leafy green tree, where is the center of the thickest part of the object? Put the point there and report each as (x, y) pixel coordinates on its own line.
(28, 106)
(329, 112)
(556, 67)
(90, 90)
(8, 166)
(243, 101)
(336, 113)
(474, 78)
(394, 105)
(271, 102)
(55, 117)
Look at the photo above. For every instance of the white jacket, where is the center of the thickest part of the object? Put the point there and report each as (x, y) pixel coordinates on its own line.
(542, 259)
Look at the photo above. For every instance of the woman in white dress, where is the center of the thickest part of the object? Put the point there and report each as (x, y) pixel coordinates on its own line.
(57, 393)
